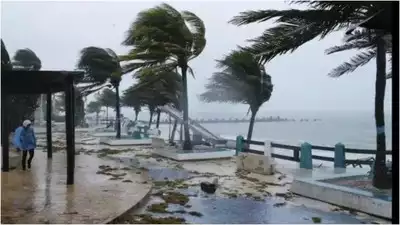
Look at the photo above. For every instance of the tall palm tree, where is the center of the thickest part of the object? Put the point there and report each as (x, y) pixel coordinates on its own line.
(21, 106)
(94, 107)
(107, 99)
(101, 66)
(79, 106)
(26, 59)
(365, 41)
(130, 99)
(242, 79)
(167, 38)
(297, 27)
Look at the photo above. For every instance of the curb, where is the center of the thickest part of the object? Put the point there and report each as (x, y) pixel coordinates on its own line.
(139, 204)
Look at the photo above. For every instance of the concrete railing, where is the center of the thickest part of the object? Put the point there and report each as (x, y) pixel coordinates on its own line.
(303, 153)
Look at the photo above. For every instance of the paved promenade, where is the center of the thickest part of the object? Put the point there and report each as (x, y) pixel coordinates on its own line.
(102, 191)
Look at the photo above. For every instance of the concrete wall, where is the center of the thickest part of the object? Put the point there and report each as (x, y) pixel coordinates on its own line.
(343, 196)
(158, 143)
(255, 163)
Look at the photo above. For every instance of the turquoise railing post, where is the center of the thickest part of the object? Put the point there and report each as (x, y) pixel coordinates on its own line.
(239, 144)
(306, 156)
(340, 156)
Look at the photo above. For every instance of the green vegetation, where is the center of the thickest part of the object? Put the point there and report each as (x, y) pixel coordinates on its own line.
(158, 208)
(296, 27)
(242, 79)
(21, 106)
(94, 107)
(316, 219)
(101, 67)
(172, 39)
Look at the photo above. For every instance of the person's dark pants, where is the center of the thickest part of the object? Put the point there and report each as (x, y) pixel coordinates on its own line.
(24, 155)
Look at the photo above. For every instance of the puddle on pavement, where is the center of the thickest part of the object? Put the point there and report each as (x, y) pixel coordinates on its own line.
(159, 174)
(210, 209)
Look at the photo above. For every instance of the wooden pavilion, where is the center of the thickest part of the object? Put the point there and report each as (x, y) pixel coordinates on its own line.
(41, 82)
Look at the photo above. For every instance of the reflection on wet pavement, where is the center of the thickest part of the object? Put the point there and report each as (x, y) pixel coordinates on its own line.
(240, 210)
(40, 195)
(213, 209)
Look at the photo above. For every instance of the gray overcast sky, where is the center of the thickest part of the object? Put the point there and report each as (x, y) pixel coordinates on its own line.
(57, 31)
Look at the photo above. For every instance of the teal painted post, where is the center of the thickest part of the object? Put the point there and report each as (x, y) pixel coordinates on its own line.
(306, 156)
(239, 144)
(340, 156)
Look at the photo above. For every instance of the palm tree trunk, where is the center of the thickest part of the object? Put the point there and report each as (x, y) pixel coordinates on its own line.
(97, 118)
(251, 125)
(158, 118)
(187, 145)
(151, 118)
(172, 138)
(117, 112)
(107, 115)
(380, 179)
(136, 115)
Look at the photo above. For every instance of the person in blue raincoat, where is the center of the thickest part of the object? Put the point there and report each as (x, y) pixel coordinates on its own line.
(25, 140)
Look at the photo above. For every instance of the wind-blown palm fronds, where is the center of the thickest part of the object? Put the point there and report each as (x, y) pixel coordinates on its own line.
(241, 79)
(154, 88)
(102, 66)
(26, 59)
(297, 27)
(363, 40)
(166, 38)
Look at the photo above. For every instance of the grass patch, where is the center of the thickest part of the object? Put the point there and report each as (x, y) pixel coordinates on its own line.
(194, 213)
(106, 151)
(149, 219)
(316, 219)
(171, 184)
(279, 204)
(173, 197)
(230, 195)
(158, 208)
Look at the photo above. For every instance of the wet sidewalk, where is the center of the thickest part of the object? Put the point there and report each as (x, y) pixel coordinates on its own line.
(102, 191)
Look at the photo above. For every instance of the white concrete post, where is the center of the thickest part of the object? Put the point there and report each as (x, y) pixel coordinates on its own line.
(267, 149)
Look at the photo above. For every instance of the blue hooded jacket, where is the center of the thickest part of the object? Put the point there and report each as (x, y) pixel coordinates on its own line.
(24, 138)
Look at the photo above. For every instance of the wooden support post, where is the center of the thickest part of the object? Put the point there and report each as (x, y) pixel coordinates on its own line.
(239, 144)
(340, 156)
(69, 129)
(48, 127)
(306, 156)
(4, 133)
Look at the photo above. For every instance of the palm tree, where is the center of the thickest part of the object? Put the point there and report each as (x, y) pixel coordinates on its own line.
(59, 104)
(21, 106)
(167, 38)
(94, 107)
(26, 59)
(101, 66)
(297, 27)
(363, 40)
(156, 88)
(242, 79)
(107, 99)
(130, 99)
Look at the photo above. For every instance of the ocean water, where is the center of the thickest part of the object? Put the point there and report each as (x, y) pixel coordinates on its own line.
(354, 130)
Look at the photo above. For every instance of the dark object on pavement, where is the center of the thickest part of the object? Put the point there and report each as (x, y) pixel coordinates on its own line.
(208, 187)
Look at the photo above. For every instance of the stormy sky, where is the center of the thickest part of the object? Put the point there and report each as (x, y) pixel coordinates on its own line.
(57, 31)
